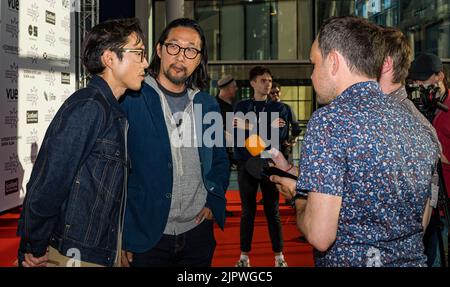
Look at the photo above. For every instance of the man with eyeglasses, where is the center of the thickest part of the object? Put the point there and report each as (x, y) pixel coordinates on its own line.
(177, 183)
(72, 214)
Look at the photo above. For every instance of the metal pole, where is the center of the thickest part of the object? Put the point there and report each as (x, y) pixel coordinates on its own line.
(174, 10)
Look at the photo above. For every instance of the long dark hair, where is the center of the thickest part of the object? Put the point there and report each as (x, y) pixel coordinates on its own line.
(199, 77)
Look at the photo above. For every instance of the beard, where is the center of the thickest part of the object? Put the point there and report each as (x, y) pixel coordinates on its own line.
(177, 80)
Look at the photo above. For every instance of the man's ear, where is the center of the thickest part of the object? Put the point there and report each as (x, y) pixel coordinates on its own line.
(333, 62)
(108, 58)
(388, 65)
(158, 50)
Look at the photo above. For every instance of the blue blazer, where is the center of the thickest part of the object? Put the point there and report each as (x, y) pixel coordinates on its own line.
(151, 178)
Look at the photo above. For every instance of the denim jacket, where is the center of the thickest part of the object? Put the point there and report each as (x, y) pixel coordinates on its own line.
(76, 189)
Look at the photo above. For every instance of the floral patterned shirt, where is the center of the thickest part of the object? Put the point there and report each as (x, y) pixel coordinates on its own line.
(378, 157)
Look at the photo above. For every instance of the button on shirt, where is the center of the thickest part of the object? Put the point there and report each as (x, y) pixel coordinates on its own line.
(377, 156)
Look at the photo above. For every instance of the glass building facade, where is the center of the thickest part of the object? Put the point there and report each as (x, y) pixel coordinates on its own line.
(279, 34)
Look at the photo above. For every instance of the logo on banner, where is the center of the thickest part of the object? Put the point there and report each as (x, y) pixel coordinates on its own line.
(64, 41)
(50, 17)
(11, 186)
(33, 54)
(33, 31)
(12, 94)
(11, 118)
(13, 164)
(48, 117)
(13, 50)
(65, 23)
(32, 96)
(33, 137)
(65, 78)
(74, 5)
(33, 12)
(13, 5)
(13, 27)
(49, 96)
(50, 77)
(31, 74)
(9, 141)
(12, 73)
(50, 38)
(32, 117)
(51, 3)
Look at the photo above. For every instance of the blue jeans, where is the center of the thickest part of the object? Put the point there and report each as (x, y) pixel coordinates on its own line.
(194, 248)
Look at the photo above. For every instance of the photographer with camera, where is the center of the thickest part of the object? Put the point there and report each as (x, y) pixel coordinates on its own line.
(427, 70)
(429, 80)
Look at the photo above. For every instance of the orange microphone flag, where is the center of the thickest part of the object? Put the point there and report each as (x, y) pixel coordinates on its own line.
(255, 145)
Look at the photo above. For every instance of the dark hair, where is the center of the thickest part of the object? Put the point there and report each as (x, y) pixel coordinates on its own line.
(258, 71)
(359, 41)
(199, 77)
(276, 85)
(397, 47)
(109, 35)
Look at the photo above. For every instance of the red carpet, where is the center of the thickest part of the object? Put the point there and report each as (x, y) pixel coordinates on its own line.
(227, 250)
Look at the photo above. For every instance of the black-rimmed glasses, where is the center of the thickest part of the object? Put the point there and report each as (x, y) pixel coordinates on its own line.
(174, 49)
(142, 53)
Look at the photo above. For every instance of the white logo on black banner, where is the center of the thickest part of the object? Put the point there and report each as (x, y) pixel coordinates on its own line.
(12, 73)
(13, 5)
(32, 117)
(32, 96)
(33, 12)
(13, 27)
(11, 118)
(65, 78)
(13, 164)
(11, 186)
(12, 94)
(50, 17)
(33, 31)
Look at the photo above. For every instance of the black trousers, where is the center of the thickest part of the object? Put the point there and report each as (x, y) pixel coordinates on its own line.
(248, 187)
(194, 248)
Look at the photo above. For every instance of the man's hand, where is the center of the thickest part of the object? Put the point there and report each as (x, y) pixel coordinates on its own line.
(205, 213)
(278, 123)
(286, 186)
(31, 261)
(279, 159)
(126, 258)
(242, 124)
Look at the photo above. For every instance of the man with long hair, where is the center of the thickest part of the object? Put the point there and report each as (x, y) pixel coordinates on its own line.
(177, 185)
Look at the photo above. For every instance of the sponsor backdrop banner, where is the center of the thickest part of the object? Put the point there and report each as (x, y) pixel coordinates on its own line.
(37, 75)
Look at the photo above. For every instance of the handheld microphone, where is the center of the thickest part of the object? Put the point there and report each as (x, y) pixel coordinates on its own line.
(261, 168)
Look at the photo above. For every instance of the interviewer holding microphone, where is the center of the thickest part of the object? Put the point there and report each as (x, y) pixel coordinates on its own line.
(362, 193)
